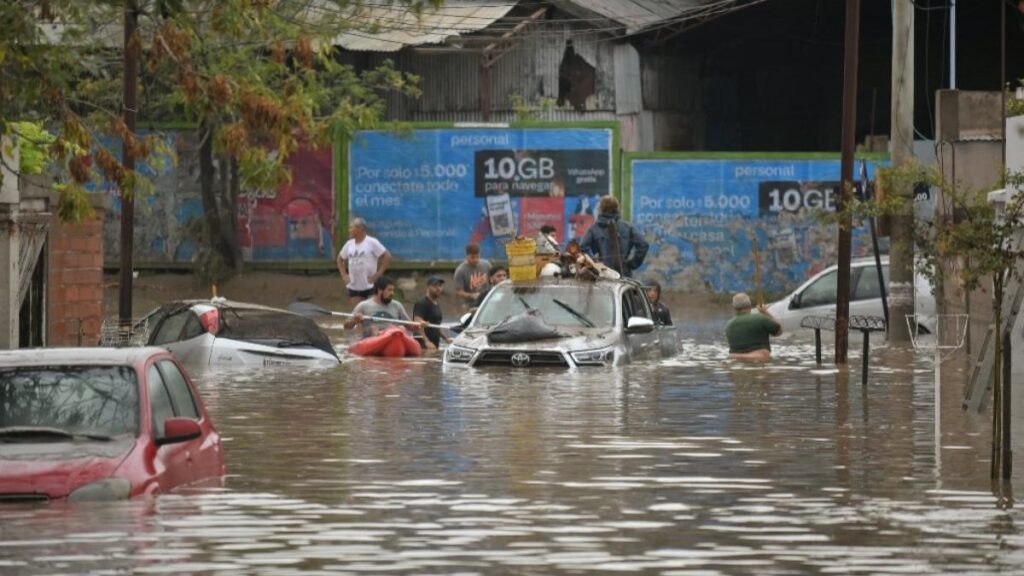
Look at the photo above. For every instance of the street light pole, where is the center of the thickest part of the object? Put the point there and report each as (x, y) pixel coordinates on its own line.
(849, 141)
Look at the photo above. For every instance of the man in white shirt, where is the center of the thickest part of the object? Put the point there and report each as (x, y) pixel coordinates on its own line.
(361, 261)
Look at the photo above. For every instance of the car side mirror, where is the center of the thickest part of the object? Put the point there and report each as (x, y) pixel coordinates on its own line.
(464, 320)
(639, 325)
(179, 430)
(794, 302)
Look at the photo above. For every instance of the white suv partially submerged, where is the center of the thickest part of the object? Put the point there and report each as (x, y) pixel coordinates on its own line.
(598, 323)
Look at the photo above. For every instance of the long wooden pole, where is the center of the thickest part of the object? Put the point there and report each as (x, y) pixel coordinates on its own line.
(849, 140)
(759, 294)
(129, 105)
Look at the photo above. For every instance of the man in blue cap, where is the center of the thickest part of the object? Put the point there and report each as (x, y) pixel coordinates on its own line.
(428, 309)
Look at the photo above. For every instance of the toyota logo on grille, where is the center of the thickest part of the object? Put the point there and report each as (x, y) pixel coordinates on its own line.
(520, 359)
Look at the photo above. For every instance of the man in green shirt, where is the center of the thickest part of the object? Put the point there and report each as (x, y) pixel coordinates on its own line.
(748, 333)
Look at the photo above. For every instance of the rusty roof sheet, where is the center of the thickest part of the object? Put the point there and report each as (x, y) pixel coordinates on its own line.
(638, 15)
(388, 28)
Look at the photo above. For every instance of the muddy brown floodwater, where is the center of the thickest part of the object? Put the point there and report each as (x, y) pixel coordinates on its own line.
(692, 466)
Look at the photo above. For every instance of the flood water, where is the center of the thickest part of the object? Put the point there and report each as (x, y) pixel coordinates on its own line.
(695, 465)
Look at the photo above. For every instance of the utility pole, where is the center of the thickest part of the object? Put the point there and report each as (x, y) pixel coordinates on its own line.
(901, 257)
(849, 136)
(129, 105)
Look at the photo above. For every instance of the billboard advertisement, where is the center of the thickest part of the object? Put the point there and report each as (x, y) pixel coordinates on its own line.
(702, 216)
(425, 194)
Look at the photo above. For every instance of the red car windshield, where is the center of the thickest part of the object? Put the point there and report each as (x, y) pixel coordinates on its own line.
(87, 400)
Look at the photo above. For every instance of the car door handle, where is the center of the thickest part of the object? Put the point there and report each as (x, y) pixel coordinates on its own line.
(188, 456)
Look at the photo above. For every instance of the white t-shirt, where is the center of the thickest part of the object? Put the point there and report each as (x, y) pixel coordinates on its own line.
(361, 259)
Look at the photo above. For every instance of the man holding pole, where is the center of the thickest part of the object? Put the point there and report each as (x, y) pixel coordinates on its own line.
(382, 305)
(748, 333)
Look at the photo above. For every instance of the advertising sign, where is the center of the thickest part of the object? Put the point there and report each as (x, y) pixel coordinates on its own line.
(702, 216)
(427, 193)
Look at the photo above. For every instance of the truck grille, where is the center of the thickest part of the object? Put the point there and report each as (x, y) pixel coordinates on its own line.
(514, 358)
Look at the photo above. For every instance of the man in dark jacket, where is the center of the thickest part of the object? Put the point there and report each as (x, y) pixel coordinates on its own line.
(615, 242)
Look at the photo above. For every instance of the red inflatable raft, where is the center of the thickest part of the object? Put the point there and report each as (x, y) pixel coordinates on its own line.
(391, 343)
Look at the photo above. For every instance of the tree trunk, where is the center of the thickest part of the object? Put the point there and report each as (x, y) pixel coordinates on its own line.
(997, 372)
(217, 209)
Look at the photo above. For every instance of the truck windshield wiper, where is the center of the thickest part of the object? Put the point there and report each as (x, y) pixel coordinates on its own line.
(49, 431)
(575, 313)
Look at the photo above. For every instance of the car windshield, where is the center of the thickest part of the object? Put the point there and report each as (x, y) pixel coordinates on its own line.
(272, 328)
(87, 400)
(559, 305)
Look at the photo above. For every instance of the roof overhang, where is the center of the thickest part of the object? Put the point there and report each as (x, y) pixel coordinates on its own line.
(388, 28)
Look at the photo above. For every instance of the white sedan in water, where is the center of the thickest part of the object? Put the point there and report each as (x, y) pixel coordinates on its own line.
(225, 333)
(817, 296)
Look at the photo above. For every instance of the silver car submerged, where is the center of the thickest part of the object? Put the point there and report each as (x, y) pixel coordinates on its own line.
(600, 323)
(220, 332)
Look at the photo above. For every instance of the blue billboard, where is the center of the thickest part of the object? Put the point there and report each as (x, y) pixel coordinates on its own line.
(425, 194)
(702, 216)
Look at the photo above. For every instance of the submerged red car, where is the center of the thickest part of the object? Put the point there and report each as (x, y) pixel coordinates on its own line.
(100, 424)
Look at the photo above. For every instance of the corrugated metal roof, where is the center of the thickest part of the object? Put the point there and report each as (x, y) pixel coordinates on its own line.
(389, 28)
(637, 15)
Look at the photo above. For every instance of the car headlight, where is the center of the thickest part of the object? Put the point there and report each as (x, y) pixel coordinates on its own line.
(459, 354)
(597, 357)
(102, 490)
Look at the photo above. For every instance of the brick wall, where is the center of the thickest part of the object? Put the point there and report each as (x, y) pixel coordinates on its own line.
(75, 282)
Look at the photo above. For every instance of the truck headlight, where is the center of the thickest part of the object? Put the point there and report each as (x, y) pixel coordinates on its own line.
(598, 357)
(102, 490)
(459, 354)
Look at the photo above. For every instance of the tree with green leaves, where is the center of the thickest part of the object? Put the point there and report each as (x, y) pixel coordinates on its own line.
(259, 78)
(985, 246)
(970, 240)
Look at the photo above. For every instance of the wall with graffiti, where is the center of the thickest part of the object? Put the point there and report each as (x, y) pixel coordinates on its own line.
(291, 223)
(703, 215)
(160, 216)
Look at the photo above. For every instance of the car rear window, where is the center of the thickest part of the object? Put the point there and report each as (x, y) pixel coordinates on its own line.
(272, 328)
(78, 399)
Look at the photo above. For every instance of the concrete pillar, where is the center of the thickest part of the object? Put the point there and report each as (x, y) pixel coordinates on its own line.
(10, 246)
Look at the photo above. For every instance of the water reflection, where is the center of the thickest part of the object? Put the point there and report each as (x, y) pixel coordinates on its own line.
(694, 465)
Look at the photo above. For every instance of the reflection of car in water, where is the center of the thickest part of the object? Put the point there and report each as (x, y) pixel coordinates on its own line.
(599, 323)
(817, 296)
(100, 424)
(220, 332)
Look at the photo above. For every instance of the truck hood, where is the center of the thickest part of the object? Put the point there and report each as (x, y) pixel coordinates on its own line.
(572, 339)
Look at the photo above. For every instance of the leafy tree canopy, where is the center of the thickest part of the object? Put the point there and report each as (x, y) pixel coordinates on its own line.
(262, 76)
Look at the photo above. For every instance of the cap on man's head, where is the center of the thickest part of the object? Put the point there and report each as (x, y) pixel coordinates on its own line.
(435, 280)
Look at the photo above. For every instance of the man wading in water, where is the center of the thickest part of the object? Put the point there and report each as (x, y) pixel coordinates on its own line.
(748, 333)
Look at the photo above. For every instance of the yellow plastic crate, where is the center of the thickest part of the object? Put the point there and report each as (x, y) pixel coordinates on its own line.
(522, 259)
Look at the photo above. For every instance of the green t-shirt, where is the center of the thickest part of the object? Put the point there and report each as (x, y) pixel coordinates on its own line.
(749, 332)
